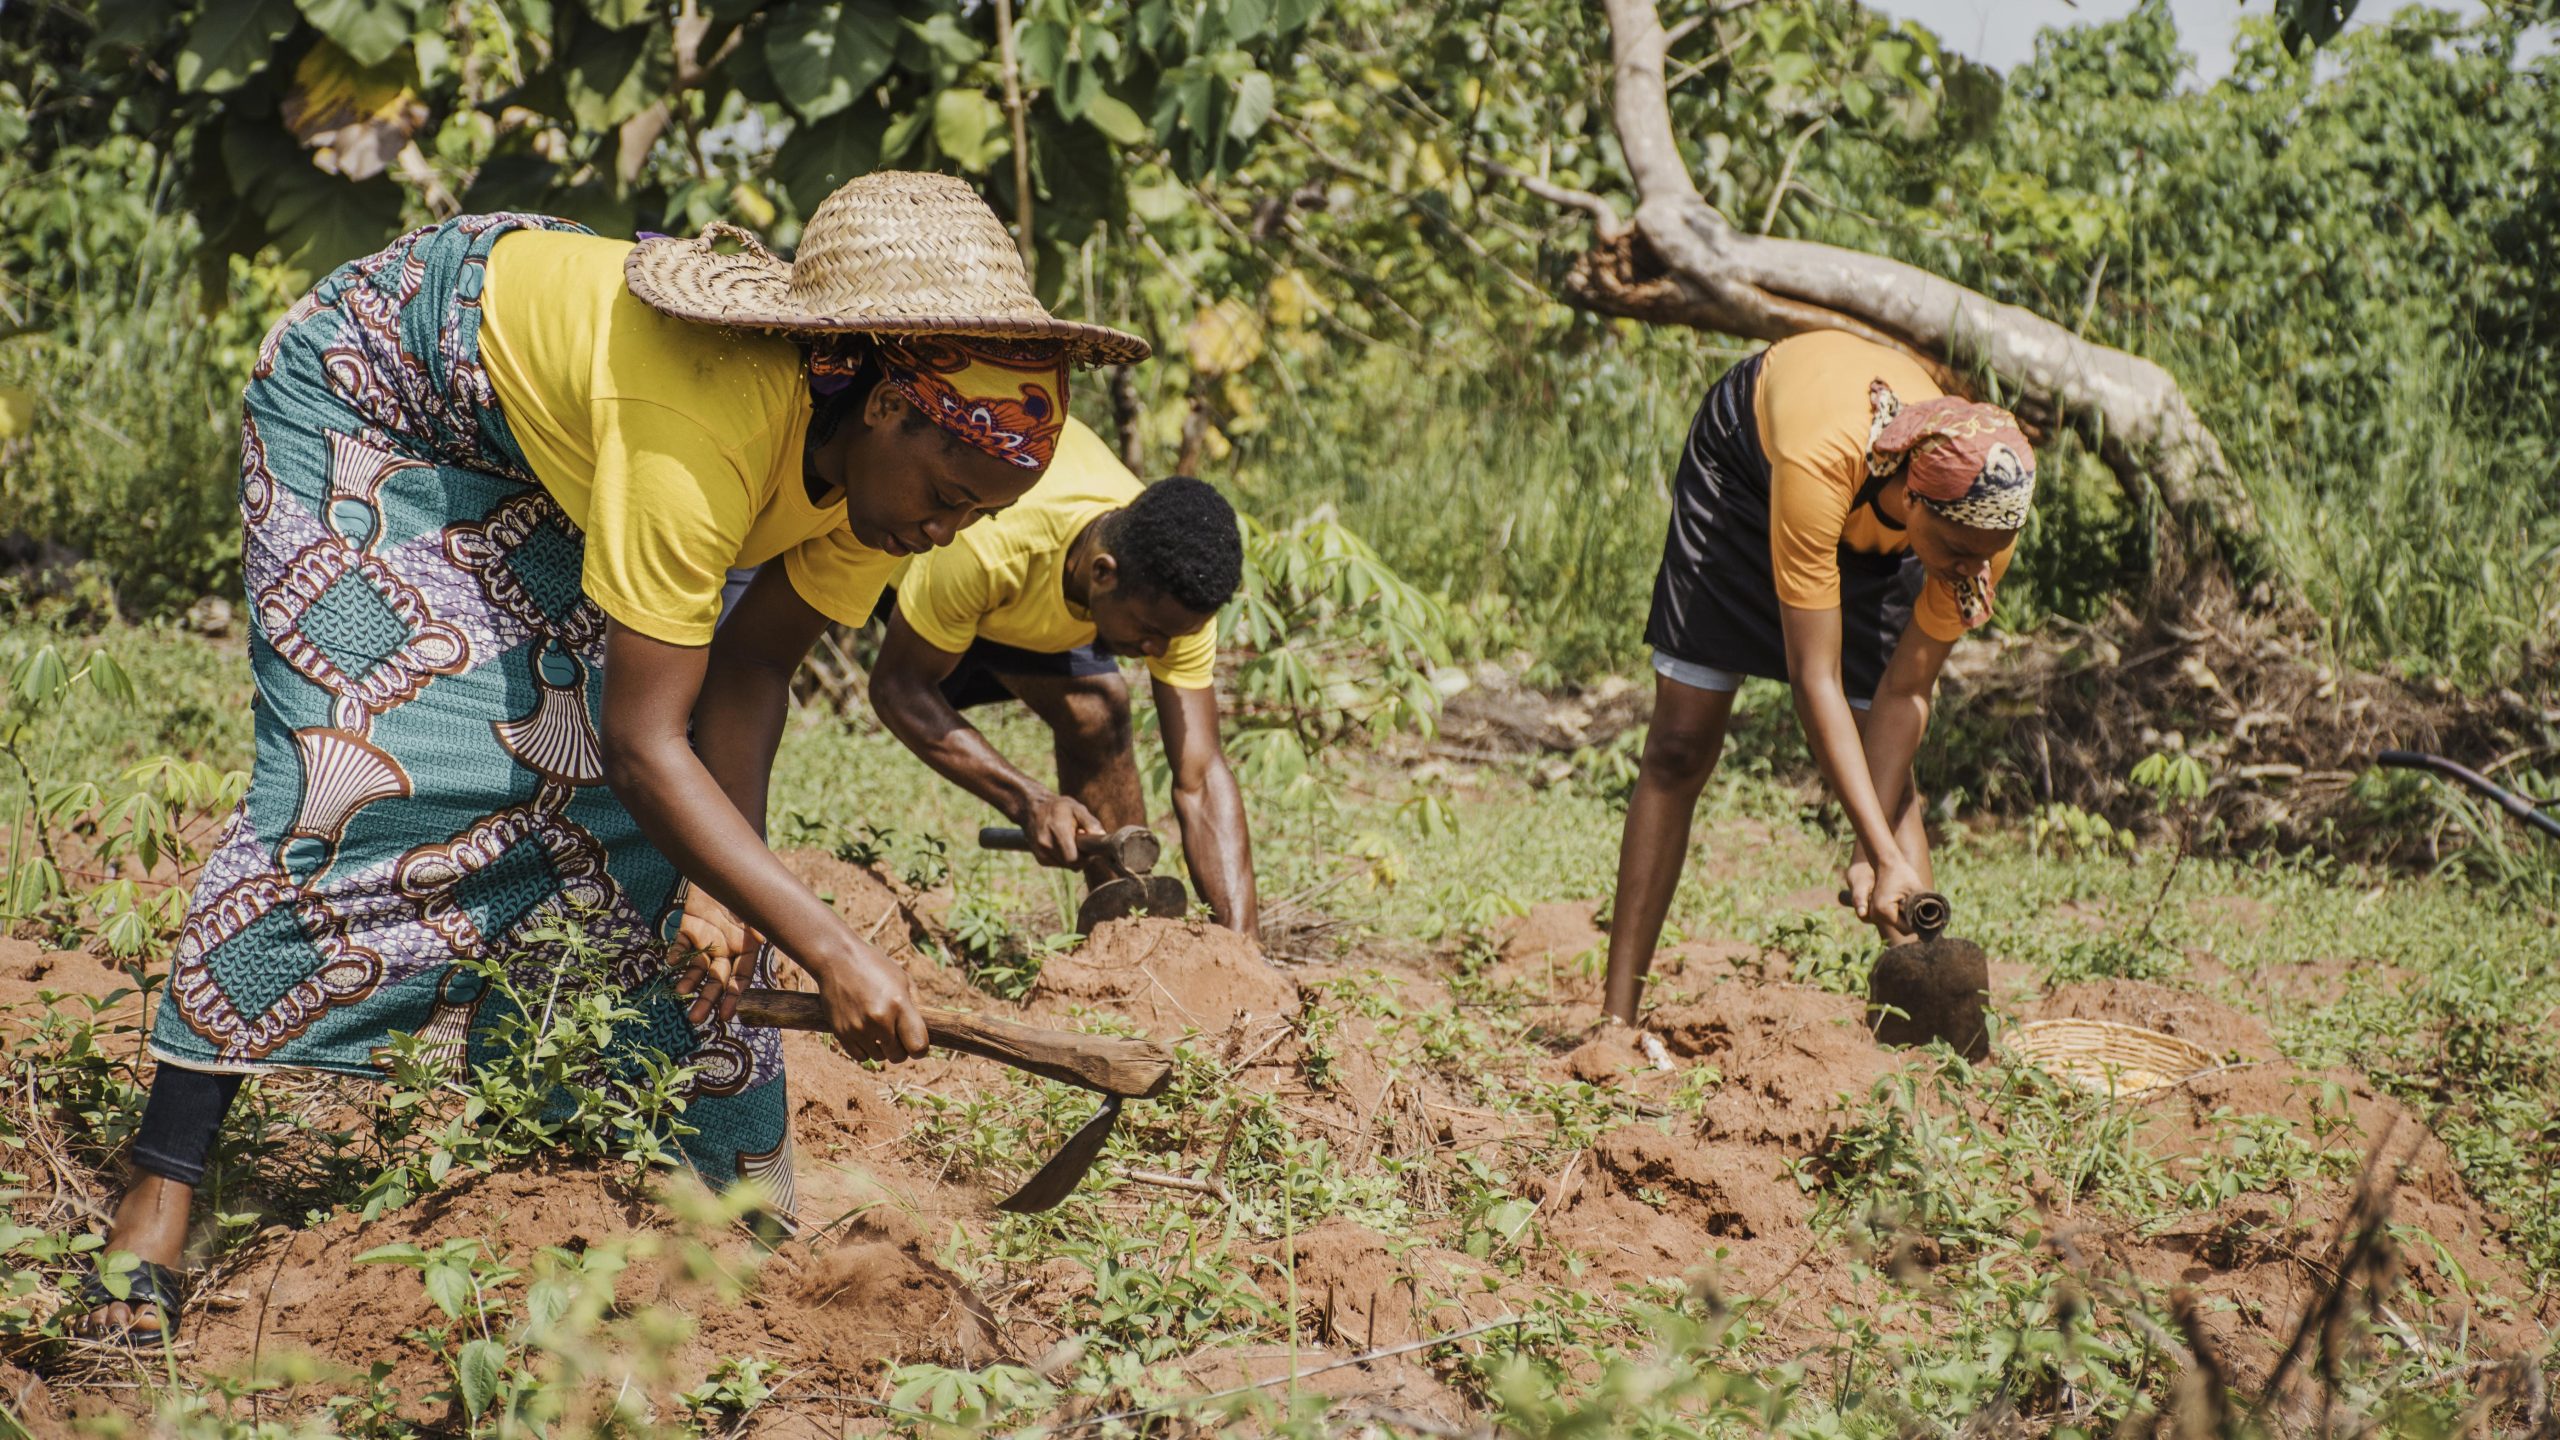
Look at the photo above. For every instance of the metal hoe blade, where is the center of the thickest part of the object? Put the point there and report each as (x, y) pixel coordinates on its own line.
(1059, 1178)
(1133, 895)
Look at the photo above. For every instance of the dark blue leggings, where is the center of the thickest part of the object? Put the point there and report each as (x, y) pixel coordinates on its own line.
(180, 1121)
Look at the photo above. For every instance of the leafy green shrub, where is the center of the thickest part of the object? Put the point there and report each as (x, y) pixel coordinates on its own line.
(542, 1076)
(131, 452)
(1334, 644)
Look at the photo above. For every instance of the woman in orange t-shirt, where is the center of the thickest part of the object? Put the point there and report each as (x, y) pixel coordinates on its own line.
(1837, 523)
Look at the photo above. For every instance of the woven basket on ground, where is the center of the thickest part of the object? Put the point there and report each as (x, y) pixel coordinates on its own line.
(2106, 1056)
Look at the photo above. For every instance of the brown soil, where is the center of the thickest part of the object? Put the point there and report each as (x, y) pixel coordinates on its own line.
(1698, 1182)
(1357, 1289)
(839, 1312)
(1170, 976)
(2186, 1014)
(1793, 1059)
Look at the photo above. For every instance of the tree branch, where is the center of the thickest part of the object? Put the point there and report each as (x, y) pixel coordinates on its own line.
(1604, 216)
(1012, 75)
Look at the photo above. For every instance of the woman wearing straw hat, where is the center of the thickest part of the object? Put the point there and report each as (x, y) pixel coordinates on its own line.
(1838, 524)
(492, 479)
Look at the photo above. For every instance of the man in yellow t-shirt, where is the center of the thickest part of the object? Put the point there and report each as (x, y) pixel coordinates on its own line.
(1034, 604)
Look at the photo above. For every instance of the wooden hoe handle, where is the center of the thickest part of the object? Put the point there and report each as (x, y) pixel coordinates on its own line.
(1111, 1064)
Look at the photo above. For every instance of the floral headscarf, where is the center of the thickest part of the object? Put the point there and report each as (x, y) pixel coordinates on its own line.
(1008, 400)
(1966, 461)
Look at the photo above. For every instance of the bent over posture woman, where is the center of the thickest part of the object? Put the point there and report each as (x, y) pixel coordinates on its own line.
(1838, 524)
(491, 481)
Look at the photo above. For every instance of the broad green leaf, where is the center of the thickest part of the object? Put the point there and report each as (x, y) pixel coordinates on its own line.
(621, 14)
(1289, 16)
(41, 677)
(609, 76)
(317, 221)
(434, 54)
(822, 155)
(1077, 90)
(17, 412)
(511, 180)
(113, 684)
(942, 33)
(1041, 46)
(449, 1285)
(969, 128)
(903, 133)
(1792, 68)
(140, 24)
(826, 56)
(479, 1370)
(1247, 20)
(1113, 117)
(231, 41)
(1159, 202)
(1252, 108)
(370, 30)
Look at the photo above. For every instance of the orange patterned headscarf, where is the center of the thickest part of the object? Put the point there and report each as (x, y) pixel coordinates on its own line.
(1009, 400)
(1965, 460)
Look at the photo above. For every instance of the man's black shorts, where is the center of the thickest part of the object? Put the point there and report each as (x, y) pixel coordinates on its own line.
(978, 678)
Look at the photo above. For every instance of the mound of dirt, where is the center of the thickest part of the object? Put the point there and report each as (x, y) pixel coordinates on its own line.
(1643, 1205)
(1363, 1291)
(1790, 1055)
(1170, 976)
(29, 971)
(840, 1311)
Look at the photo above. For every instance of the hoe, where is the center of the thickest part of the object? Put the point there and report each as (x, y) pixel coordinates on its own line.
(1116, 1067)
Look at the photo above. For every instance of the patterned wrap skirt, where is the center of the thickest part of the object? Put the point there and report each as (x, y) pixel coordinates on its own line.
(429, 782)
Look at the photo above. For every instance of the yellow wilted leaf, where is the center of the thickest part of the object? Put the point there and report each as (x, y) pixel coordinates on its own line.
(354, 117)
(1381, 78)
(751, 206)
(1244, 408)
(1223, 338)
(1291, 297)
(17, 412)
(1215, 445)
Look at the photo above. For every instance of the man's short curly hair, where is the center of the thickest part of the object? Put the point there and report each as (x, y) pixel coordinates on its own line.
(1179, 538)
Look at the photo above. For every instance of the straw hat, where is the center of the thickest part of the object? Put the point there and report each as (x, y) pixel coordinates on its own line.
(892, 253)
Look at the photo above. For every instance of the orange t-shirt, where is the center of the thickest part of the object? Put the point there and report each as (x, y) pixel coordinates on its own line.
(1814, 419)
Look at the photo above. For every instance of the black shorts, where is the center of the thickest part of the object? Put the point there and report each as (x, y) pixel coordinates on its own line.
(1715, 599)
(978, 678)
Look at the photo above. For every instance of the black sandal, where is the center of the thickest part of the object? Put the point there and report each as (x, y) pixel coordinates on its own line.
(146, 1284)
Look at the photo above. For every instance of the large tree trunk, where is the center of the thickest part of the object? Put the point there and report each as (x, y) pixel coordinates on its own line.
(1682, 262)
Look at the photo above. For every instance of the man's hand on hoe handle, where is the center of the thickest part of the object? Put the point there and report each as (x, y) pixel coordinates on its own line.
(870, 1004)
(1061, 829)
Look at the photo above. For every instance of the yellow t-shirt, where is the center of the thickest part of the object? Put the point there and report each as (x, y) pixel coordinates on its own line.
(675, 446)
(1004, 578)
(1814, 418)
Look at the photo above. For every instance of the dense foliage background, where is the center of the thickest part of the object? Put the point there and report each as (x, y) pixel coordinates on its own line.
(2347, 256)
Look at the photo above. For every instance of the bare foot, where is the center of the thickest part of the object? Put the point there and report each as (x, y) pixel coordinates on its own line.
(151, 1223)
